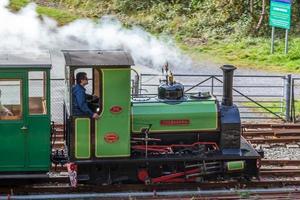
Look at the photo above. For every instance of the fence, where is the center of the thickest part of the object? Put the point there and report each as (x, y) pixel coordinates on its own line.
(57, 99)
(266, 98)
(295, 105)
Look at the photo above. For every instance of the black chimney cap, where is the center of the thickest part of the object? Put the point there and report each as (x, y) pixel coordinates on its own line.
(228, 67)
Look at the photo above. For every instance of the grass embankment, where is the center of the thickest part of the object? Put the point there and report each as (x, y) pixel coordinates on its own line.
(61, 16)
(251, 53)
(189, 24)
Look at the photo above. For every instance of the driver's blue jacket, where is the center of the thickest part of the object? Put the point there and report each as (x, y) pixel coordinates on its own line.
(79, 104)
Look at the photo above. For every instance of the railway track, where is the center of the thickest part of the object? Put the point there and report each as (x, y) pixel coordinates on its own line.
(274, 173)
(60, 188)
(274, 193)
(280, 162)
(284, 134)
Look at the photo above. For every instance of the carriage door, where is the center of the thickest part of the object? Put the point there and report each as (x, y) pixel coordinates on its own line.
(12, 123)
(38, 145)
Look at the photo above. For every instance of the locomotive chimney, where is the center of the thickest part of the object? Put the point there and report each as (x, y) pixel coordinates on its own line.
(227, 84)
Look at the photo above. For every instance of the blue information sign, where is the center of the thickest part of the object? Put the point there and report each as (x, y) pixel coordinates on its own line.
(280, 16)
(283, 1)
(280, 13)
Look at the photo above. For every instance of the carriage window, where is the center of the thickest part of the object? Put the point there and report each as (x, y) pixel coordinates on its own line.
(10, 99)
(37, 93)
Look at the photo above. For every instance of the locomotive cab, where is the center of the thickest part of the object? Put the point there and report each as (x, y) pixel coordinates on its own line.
(108, 72)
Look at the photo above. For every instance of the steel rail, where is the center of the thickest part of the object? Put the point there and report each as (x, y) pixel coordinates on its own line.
(145, 191)
(155, 194)
(273, 140)
(281, 162)
(270, 125)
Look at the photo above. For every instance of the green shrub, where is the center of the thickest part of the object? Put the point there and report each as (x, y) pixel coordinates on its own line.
(18, 4)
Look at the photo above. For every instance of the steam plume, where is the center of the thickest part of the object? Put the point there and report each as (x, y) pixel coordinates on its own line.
(25, 30)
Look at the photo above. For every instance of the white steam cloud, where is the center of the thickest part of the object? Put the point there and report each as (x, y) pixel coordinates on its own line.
(26, 31)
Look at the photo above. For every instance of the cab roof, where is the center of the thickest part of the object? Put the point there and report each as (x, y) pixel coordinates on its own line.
(22, 59)
(99, 58)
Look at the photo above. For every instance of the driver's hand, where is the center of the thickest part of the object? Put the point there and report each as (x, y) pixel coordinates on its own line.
(95, 98)
(95, 116)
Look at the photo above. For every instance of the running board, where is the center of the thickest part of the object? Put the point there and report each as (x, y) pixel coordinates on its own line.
(23, 176)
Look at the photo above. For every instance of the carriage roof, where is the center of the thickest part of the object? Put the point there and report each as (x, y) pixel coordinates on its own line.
(22, 59)
(99, 58)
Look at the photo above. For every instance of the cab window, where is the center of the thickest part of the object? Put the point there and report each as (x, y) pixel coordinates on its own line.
(37, 93)
(92, 88)
(10, 99)
(89, 72)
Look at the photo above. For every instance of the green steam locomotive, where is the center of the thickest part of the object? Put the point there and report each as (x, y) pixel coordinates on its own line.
(172, 137)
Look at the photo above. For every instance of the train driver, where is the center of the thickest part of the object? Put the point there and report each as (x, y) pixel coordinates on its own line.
(3, 110)
(79, 103)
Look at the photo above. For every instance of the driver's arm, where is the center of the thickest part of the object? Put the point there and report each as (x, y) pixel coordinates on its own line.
(82, 104)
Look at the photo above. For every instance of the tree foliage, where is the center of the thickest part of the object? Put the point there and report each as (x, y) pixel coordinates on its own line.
(193, 18)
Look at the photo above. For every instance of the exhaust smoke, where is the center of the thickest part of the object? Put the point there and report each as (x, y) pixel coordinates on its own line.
(25, 30)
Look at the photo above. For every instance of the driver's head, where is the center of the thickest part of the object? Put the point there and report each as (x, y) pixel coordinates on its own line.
(81, 78)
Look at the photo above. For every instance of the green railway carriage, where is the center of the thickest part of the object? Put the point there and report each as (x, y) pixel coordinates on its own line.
(25, 127)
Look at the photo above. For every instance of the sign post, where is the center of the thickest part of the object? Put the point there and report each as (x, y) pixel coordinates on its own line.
(280, 16)
(272, 40)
